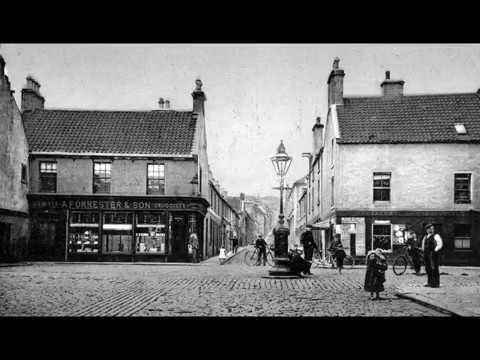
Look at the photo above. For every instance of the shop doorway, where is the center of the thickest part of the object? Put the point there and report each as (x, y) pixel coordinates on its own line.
(352, 245)
(179, 237)
(43, 239)
(4, 241)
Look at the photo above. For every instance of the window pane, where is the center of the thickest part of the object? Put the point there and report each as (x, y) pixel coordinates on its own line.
(462, 188)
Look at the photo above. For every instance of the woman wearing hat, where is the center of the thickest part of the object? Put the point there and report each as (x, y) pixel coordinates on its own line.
(375, 276)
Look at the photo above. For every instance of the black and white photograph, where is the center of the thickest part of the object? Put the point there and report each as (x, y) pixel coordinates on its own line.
(239, 180)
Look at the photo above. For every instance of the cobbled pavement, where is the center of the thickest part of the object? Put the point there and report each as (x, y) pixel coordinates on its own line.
(207, 289)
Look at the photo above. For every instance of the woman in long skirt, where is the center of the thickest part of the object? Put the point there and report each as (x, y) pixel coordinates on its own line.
(375, 276)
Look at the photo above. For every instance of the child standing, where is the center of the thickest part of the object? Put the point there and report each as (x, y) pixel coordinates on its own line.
(375, 276)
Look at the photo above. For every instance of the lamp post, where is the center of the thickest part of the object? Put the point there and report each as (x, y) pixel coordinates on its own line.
(281, 163)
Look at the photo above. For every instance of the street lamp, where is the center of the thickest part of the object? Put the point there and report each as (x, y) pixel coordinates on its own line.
(281, 163)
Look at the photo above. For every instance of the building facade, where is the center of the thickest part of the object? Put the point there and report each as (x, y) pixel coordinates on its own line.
(14, 222)
(382, 163)
(222, 222)
(292, 211)
(115, 185)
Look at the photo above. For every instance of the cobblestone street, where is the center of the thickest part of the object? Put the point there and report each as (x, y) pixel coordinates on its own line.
(208, 289)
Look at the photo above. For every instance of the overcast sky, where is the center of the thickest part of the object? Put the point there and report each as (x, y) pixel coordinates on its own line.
(256, 94)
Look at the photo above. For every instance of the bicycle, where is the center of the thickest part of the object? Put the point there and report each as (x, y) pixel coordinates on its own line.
(401, 261)
(251, 257)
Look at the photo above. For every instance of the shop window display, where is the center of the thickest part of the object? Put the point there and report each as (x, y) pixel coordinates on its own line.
(117, 233)
(151, 232)
(83, 233)
(382, 237)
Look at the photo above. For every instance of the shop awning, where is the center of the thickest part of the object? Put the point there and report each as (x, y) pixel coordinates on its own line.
(325, 224)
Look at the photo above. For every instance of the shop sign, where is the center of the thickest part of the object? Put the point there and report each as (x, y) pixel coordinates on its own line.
(353, 220)
(111, 205)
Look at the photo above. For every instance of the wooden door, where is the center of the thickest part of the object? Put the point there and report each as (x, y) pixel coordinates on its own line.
(179, 237)
(4, 241)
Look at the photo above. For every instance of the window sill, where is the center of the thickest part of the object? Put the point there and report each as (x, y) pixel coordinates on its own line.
(382, 202)
(463, 250)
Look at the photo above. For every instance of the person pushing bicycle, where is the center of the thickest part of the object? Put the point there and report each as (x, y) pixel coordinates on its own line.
(261, 245)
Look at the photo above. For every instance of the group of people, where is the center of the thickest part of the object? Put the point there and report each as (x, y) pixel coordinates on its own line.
(376, 261)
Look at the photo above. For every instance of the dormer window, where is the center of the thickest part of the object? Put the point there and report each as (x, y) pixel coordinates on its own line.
(460, 129)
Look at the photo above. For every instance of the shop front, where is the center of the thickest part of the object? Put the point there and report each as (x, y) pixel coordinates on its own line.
(386, 230)
(126, 228)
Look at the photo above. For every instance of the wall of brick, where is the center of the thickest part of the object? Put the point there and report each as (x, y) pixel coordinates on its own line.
(422, 175)
(13, 153)
(128, 177)
(13, 200)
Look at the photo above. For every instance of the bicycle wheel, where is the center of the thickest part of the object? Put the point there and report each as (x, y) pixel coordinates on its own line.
(250, 258)
(400, 265)
(349, 261)
(270, 261)
(316, 260)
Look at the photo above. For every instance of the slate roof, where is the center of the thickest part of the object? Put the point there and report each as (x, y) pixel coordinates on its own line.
(409, 119)
(115, 132)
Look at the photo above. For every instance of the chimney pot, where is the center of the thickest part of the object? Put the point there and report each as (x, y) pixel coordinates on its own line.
(335, 84)
(199, 98)
(391, 88)
(31, 97)
(335, 63)
(167, 104)
(161, 102)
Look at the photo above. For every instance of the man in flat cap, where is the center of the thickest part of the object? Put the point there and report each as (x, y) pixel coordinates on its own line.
(431, 245)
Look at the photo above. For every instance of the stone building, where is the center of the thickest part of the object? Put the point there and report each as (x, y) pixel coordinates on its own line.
(222, 221)
(116, 185)
(292, 211)
(383, 162)
(14, 222)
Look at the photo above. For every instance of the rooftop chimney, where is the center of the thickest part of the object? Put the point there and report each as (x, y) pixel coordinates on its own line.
(31, 97)
(392, 88)
(199, 98)
(167, 104)
(161, 103)
(317, 136)
(335, 84)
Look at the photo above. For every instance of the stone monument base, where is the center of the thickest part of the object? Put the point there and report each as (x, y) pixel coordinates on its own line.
(282, 269)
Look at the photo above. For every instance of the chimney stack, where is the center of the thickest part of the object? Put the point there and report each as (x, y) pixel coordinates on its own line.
(31, 97)
(335, 84)
(161, 103)
(167, 104)
(317, 136)
(199, 98)
(392, 88)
